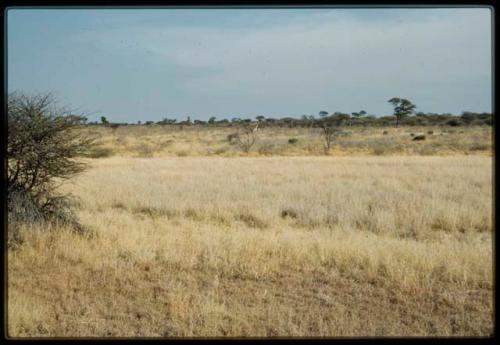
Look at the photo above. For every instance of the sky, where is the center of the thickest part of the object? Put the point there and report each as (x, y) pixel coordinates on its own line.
(148, 64)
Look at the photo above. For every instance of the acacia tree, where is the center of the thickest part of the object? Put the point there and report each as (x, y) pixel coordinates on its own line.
(42, 146)
(329, 131)
(402, 108)
(247, 136)
(359, 115)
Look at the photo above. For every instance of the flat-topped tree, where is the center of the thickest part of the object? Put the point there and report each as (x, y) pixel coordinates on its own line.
(402, 108)
(360, 114)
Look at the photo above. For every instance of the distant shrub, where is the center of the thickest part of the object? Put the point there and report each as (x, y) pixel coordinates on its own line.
(293, 140)
(430, 132)
(385, 132)
(182, 154)
(419, 137)
(453, 122)
(289, 213)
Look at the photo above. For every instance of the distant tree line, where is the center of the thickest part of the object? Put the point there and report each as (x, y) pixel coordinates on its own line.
(404, 114)
(354, 119)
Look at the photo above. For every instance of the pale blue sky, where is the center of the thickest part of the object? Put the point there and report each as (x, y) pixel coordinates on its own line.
(139, 64)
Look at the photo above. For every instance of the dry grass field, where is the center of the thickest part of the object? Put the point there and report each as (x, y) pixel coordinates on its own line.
(172, 141)
(384, 237)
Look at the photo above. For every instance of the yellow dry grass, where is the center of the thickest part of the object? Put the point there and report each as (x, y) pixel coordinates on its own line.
(170, 141)
(278, 246)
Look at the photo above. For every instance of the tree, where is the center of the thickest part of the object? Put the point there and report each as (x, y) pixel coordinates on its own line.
(330, 130)
(42, 149)
(359, 115)
(323, 113)
(402, 108)
(167, 121)
(260, 118)
(329, 133)
(104, 121)
(247, 136)
(211, 120)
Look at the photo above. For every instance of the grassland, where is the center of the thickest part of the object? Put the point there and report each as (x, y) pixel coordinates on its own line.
(206, 243)
(171, 141)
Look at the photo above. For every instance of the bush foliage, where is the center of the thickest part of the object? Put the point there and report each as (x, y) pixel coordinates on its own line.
(42, 147)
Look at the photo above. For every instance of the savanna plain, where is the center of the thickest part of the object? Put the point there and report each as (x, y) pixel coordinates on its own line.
(191, 237)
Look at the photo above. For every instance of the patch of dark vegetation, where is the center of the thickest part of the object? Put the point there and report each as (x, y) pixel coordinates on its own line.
(119, 205)
(454, 122)
(385, 132)
(430, 132)
(419, 137)
(289, 213)
(293, 140)
(251, 220)
(42, 148)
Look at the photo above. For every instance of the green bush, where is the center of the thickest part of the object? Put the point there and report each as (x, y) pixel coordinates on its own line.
(293, 140)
